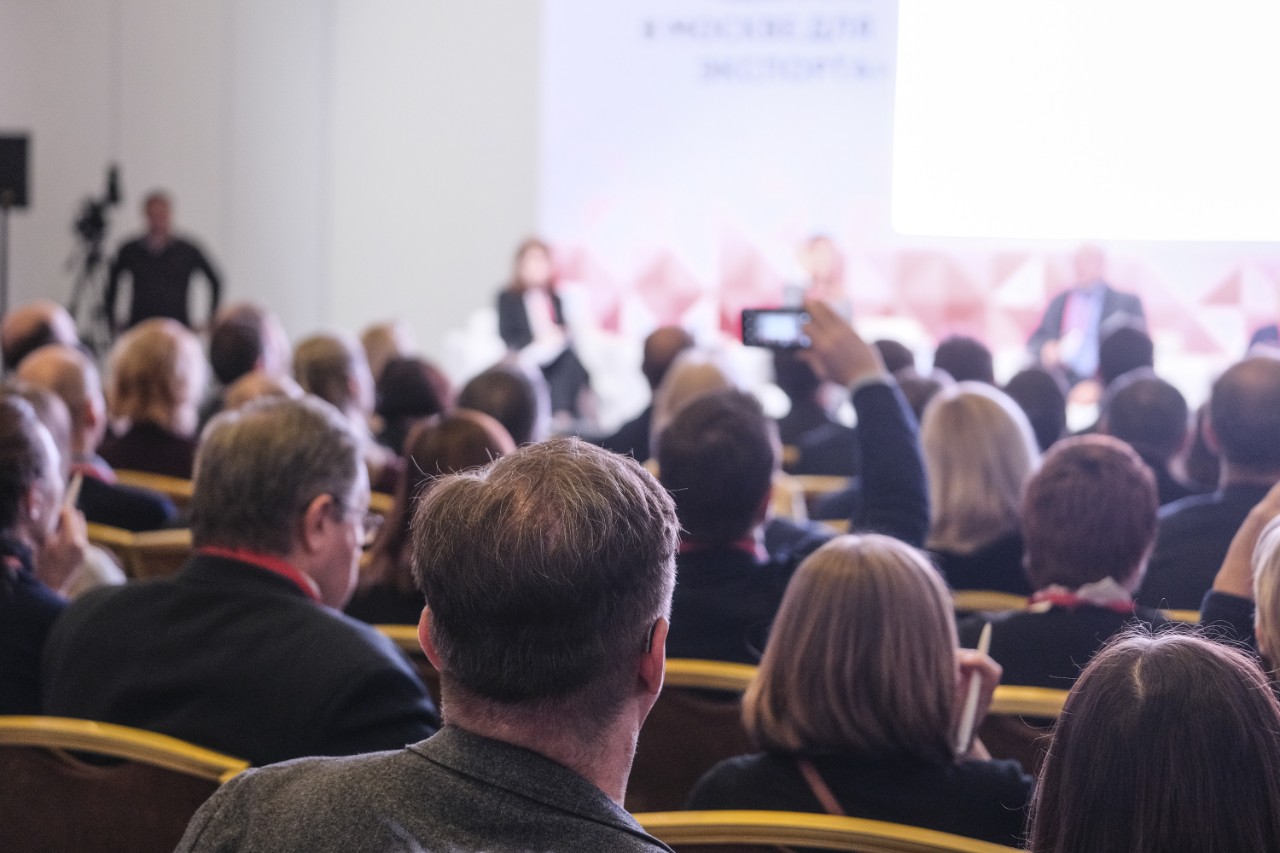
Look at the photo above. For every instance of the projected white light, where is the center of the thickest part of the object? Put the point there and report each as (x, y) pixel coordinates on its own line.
(1126, 119)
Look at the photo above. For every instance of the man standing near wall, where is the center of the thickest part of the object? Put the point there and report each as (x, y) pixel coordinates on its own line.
(160, 266)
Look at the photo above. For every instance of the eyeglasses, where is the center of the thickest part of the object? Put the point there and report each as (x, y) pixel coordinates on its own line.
(370, 522)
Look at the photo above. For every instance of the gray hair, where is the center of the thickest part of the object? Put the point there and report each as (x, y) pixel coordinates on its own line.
(259, 467)
(543, 573)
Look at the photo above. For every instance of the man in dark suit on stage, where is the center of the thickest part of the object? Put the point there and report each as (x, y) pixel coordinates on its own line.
(1077, 319)
(160, 266)
(245, 650)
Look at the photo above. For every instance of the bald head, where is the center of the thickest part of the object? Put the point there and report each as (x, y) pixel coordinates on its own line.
(661, 349)
(72, 375)
(29, 327)
(1244, 412)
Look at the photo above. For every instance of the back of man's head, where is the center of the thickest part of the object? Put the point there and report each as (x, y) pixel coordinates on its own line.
(1125, 348)
(795, 377)
(1148, 413)
(28, 327)
(236, 347)
(966, 359)
(717, 459)
(506, 394)
(660, 351)
(1244, 412)
(333, 367)
(1089, 513)
(72, 375)
(259, 467)
(544, 573)
(1043, 396)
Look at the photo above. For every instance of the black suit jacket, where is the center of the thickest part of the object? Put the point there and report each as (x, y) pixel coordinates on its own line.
(632, 437)
(513, 319)
(1191, 541)
(1050, 649)
(1117, 308)
(232, 657)
(124, 506)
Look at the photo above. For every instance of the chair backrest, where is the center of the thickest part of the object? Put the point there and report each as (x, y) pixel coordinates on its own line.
(1021, 723)
(695, 723)
(153, 553)
(987, 601)
(1189, 616)
(406, 638)
(765, 830)
(54, 797)
(176, 489)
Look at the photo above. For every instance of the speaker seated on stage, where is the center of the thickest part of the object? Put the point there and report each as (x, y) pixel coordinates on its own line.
(1078, 318)
(27, 328)
(69, 373)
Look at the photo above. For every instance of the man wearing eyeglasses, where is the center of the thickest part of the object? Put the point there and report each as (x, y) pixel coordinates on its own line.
(244, 650)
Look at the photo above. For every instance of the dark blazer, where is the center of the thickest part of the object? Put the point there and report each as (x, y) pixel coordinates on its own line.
(1118, 307)
(725, 598)
(28, 610)
(978, 799)
(147, 447)
(995, 566)
(124, 506)
(232, 657)
(513, 320)
(455, 792)
(1191, 541)
(1050, 649)
(632, 437)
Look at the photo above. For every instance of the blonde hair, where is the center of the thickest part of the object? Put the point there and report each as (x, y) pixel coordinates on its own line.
(979, 452)
(693, 374)
(1266, 589)
(157, 374)
(861, 658)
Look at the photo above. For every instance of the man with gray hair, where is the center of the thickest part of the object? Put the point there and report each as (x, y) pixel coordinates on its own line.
(244, 650)
(548, 579)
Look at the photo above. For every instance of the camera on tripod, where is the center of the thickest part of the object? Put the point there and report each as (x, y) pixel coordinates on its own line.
(90, 228)
(91, 224)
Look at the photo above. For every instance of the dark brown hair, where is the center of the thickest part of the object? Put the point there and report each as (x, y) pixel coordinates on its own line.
(1166, 744)
(444, 444)
(1089, 513)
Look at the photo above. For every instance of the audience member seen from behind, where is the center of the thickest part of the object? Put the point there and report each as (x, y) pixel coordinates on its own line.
(548, 580)
(1250, 572)
(822, 444)
(1124, 349)
(408, 390)
(1167, 744)
(245, 643)
(965, 359)
(1042, 395)
(41, 544)
(385, 341)
(28, 327)
(860, 692)
(660, 351)
(1151, 416)
(72, 375)
(156, 377)
(1195, 532)
(245, 338)
(509, 395)
(446, 444)
(333, 367)
(979, 452)
(1088, 520)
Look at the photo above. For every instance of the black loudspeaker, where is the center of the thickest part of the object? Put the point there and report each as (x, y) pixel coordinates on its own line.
(14, 161)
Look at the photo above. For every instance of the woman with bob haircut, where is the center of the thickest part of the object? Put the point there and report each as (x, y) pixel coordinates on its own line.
(979, 451)
(443, 444)
(156, 377)
(857, 703)
(1166, 744)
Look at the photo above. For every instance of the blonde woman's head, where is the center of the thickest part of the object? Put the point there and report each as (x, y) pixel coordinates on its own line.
(157, 375)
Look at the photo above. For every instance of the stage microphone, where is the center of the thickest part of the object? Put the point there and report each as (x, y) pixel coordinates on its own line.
(113, 184)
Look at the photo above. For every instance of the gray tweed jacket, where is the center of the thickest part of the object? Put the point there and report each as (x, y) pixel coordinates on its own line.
(455, 791)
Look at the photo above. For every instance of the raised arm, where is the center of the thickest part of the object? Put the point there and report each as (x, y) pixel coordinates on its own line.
(895, 495)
